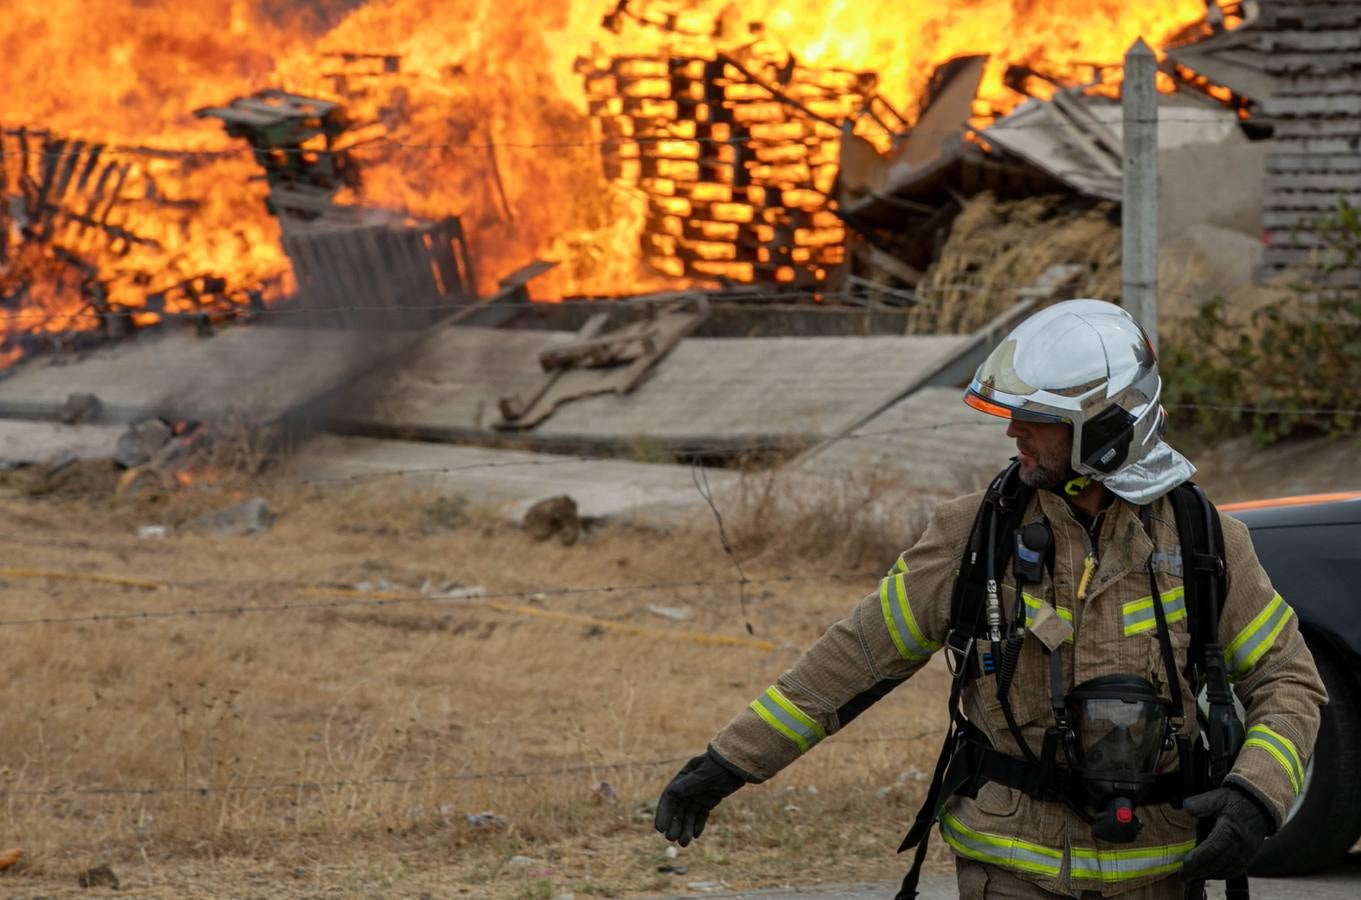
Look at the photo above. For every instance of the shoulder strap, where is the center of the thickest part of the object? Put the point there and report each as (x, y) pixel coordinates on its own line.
(1203, 569)
(1003, 505)
(1205, 576)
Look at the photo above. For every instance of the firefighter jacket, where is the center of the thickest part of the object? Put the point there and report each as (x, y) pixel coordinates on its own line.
(1110, 628)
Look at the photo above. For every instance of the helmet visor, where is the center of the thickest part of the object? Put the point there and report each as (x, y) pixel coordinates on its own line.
(1019, 413)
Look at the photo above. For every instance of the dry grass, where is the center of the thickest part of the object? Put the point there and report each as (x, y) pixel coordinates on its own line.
(338, 751)
(996, 246)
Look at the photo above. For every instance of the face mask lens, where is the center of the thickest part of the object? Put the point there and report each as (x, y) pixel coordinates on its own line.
(1120, 738)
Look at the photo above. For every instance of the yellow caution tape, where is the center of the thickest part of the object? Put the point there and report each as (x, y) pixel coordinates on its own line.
(85, 576)
(722, 640)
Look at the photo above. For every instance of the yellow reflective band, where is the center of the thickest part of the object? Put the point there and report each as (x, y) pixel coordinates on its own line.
(1257, 638)
(1282, 749)
(1032, 606)
(1111, 866)
(900, 565)
(1139, 615)
(902, 625)
(1011, 853)
(1107, 866)
(776, 710)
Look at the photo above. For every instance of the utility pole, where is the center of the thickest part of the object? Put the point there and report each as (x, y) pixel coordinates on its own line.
(1139, 209)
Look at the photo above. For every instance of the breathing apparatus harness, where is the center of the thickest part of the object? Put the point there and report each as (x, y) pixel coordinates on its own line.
(1104, 781)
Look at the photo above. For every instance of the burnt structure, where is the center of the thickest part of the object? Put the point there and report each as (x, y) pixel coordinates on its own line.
(345, 259)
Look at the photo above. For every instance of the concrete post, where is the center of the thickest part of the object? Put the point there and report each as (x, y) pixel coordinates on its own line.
(1139, 211)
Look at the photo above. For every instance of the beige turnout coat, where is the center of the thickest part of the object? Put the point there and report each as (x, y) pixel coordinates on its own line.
(895, 630)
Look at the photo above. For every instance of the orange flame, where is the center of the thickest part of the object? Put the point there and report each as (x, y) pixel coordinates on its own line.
(480, 109)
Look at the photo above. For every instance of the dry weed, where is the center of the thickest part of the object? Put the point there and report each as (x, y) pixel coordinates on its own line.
(996, 247)
(859, 521)
(342, 749)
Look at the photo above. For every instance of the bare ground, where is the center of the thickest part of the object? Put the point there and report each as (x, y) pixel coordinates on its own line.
(339, 746)
(336, 743)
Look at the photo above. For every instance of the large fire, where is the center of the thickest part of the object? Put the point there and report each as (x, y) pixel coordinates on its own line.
(478, 107)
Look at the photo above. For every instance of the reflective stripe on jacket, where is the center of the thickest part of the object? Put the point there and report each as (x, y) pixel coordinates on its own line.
(894, 631)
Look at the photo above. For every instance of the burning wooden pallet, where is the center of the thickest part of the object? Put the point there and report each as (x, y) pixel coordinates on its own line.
(76, 265)
(737, 159)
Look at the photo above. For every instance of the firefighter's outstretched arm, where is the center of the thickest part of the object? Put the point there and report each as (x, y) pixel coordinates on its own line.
(887, 637)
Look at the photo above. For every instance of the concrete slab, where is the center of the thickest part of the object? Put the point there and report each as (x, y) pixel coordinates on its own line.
(511, 481)
(23, 442)
(262, 371)
(929, 445)
(707, 394)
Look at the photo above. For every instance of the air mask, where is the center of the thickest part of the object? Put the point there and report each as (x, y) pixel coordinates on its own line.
(1118, 728)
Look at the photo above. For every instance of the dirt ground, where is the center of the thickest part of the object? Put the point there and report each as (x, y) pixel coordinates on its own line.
(393, 693)
(347, 739)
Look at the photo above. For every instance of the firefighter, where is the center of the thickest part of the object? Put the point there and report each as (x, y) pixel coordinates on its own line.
(1075, 764)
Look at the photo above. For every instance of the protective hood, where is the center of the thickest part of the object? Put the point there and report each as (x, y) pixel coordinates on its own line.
(1151, 477)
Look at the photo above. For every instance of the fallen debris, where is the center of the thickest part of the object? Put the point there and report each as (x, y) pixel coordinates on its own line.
(452, 591)
(674, 613)
(141, 442)
(81, 408)
(251, 517)
(613, 353)
(98, 876)
(555, 515)
(486, 820)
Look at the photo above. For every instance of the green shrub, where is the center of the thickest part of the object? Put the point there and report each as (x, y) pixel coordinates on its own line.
(1293, 368)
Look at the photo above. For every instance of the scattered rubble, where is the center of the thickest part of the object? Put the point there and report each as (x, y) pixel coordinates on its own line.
(98, 876)
(604, 792)
(141, 442)
(554, 516)
(452, 590)
(486, 820)
(250, 517)
(705, 886)
(674, 613)
(81, 408)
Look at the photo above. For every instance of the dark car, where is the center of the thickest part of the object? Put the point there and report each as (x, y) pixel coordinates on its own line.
(1311, 548)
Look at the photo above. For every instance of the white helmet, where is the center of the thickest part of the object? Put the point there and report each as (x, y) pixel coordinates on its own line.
(1089, 364)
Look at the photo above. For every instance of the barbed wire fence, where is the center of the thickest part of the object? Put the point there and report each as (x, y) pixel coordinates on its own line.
(352, 598)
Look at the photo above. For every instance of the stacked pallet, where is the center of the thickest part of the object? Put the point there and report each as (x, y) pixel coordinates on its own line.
(737, 160)
(1313, 51)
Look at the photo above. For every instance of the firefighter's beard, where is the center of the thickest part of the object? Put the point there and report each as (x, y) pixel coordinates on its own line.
(1049, 471)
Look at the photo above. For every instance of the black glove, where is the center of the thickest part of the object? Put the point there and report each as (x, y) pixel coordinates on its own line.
(1241, 824)
(687, 801)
